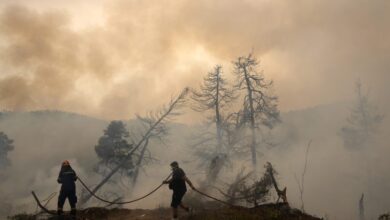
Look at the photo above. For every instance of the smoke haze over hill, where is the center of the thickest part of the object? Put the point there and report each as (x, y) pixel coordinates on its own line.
(334, 181)
(106, 60)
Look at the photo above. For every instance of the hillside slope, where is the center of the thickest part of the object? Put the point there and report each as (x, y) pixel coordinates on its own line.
(264, 212)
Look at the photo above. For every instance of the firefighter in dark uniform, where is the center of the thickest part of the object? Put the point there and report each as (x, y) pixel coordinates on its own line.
(67, 179)
(178, 184)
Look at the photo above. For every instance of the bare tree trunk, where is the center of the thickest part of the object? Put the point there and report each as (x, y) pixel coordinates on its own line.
(218, 117)
(215, 168)
(137, 166)
(218, 161)
(252, 119)
(361, 208)
(168, 111)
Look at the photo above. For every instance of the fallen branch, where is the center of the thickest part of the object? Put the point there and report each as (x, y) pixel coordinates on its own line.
(49, 198)
(41, 206)
(282, 194)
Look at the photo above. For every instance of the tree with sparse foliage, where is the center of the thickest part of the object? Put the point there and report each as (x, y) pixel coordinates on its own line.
(234, 132)
(158, 135)
(158, 123)
(260, 106)
(6, 145)
(363, 122)
(259, 191)
(112, 148)
(213, 96)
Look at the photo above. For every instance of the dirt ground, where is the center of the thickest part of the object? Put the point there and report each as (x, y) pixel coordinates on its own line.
(264, 212)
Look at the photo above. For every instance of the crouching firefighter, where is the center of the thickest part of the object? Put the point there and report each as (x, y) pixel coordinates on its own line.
(178, 184)
(67, 179)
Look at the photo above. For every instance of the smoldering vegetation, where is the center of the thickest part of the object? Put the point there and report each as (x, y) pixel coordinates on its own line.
(335, 178)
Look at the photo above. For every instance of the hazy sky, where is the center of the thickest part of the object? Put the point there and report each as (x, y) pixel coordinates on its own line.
(112, 59)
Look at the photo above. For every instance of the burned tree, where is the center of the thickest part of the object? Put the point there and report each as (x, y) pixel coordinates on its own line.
(212, 97)
(112, 148)
(359, 133)
(385, 216)
(257, 192)
(6, 145)
(282, 194)
(361, 208)
(139, 162)
(260, 107)
(261, 189)
(363, 122)
(233, 136)
(234, 190)
(164, 115)
(234, 133)
(158, 134)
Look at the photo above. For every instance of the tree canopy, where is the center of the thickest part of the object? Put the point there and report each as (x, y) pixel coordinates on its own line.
(113, 147)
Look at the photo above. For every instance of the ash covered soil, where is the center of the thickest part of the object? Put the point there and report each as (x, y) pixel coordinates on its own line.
(263, 212)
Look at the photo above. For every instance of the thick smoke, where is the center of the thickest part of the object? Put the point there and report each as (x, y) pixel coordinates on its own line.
(139, 53)
(314, 50)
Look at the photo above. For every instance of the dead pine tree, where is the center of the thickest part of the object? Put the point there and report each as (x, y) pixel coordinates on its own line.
(282, 194)
(235, 189)
(362, 123)
(158, 134)
(256, 192)
(234, 134)
(260, 107)
(361, 208)
(139, 162)
(301, 182)
(259, 191)
(361, 129)
(212, 97)
(165, 114)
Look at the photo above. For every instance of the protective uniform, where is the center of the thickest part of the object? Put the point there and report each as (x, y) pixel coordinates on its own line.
(67, 178)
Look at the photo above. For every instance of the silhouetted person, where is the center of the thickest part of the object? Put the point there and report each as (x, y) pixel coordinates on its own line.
(67, 179)
(178, 184)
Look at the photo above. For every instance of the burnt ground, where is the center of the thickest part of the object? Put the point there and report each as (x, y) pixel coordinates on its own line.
(263, 212)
